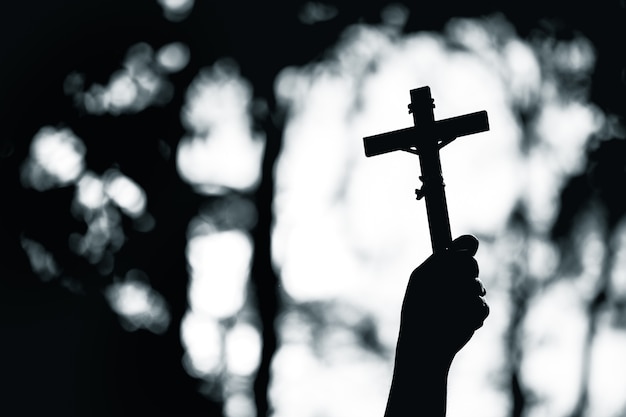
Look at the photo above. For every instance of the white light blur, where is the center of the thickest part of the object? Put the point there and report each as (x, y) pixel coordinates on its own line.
(522, 71)
(239, 405)
(606, 388)
(222, 151)
(173, 57)
(395, 15)
(555, 330)
(41, 260)
(618, 273)
(140, 83)
(313, 12)
(138, 305)
(90, 191)
(576, 55)
(479, 365)
(176, 10)
(176, 5)
(564, 129)
(591, 253)
(219, 264)
(56, 159)
(126, 193)
(309, 386)
(331, 270)
(243, 349)
(122, 91)
(100, 201)
(543, 259)
(201, 335)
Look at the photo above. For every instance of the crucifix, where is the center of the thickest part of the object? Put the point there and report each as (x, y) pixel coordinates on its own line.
(425, 139)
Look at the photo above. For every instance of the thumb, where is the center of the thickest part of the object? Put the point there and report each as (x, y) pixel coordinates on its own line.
(465, 243)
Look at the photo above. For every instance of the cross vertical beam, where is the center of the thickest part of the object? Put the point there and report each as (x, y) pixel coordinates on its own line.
(425, 139)
(421, 107)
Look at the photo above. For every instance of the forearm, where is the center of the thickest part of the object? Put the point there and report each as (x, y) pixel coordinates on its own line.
(419, 386)
(442, 308)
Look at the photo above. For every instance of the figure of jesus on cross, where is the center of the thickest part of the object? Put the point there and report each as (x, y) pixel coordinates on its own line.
(444, 302)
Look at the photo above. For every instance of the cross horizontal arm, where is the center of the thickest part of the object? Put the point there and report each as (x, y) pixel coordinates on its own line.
(390, 141)
(445, 131)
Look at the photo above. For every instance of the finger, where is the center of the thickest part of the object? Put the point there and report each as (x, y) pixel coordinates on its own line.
(483, 312)
(475, 313)
(461, 267)
(465, 243)
(482, 291)
(469, 288)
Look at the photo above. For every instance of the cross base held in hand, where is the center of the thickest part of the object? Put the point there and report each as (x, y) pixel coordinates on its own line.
(425, 139)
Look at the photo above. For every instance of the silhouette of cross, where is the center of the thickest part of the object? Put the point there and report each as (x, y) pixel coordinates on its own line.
(425, 139)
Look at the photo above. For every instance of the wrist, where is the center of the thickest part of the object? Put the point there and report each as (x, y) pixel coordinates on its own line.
(423, 356)
(419, 385)
(422, 370)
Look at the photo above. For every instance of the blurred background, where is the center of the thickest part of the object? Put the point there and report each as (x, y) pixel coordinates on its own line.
(189, 226)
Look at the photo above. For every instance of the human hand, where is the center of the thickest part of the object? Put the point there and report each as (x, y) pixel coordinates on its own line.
(444, 304)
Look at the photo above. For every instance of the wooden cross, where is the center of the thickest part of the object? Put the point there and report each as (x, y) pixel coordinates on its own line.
(425, 139)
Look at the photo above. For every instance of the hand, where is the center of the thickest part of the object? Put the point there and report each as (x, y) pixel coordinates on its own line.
(444, 304)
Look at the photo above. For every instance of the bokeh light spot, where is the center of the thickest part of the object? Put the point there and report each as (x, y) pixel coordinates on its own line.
(126, 193)
(138, 304)
(90, 191)
(240, 405)
(140, 83)
(56, 159)
(219, 264)
(41, 260)
(173, 57)
(243, 349)
(176, 10)
(313, 12)
(202, 337)
(222, 151)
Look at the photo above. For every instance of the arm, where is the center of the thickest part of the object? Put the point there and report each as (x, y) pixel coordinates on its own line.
(442, 308)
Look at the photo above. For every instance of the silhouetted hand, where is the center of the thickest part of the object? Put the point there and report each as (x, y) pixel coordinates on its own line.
(444, 302)
(443, 306)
